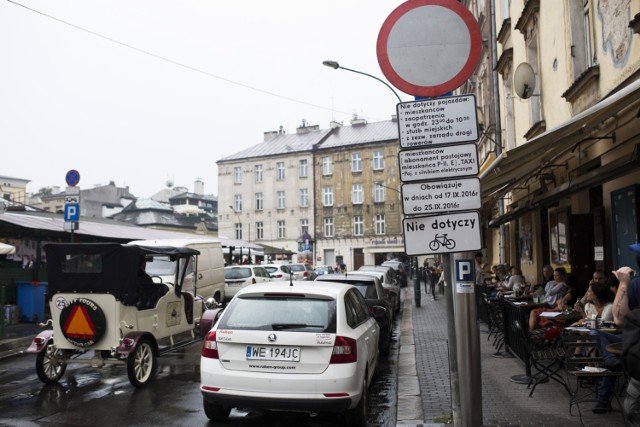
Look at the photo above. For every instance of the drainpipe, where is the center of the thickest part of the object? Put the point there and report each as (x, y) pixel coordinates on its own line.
(496, 117)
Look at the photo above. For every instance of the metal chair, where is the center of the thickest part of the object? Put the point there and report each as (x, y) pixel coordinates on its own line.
(546, 355)
(585, 370)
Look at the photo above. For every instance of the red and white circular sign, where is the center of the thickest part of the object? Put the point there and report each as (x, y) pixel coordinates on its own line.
(429, 47)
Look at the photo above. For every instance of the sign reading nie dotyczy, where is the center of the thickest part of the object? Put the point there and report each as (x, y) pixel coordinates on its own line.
(439, 234)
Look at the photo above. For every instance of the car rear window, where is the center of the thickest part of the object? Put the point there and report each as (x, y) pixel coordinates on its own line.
(367, 290)
(297, 267)
(237, 273)
(280, 313)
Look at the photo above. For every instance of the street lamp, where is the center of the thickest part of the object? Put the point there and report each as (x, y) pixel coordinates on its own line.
(414, 262)
(335, 66)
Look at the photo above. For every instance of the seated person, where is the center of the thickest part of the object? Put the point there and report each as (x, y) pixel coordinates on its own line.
(599, 304)
(502, 280)
(554, 293)
(516, 280)
(143, 277)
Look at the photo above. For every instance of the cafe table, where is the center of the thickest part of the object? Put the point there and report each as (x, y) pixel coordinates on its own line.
(515, 311)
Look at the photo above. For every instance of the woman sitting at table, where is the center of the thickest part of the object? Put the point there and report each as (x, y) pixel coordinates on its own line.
(516, 280)
(554, 293)
(599, 304)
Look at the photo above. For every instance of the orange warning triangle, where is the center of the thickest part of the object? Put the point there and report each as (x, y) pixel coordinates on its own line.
(79, 324)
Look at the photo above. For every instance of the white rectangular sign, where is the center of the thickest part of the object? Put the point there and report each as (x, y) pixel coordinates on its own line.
(437, 121)
(438, 162)
(72, 199)
(439, 234)
(441, 196)
(72, 191)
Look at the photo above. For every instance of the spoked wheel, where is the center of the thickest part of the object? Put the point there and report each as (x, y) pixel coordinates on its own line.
(50, 364)
(142, 363)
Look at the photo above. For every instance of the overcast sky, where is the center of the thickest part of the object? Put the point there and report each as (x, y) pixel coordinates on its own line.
(143, 91)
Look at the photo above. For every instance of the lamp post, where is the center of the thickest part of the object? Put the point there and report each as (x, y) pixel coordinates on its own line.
(414, 260)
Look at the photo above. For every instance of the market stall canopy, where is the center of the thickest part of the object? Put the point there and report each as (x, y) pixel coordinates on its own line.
(7, 249)
(271, 250)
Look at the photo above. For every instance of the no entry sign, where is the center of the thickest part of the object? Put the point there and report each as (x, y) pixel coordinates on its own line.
(429, 47)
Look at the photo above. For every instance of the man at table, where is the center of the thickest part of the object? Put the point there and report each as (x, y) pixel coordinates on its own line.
(627, 298)
(553, 296)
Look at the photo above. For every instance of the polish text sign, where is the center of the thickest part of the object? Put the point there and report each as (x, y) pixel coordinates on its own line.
(441, 196)
(438, 234)
(437, 121)
(438, 162)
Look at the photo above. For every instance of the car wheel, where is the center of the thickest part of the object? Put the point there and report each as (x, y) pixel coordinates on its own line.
(357, 417)
(142, 363)
(50, 365)
(216, 412)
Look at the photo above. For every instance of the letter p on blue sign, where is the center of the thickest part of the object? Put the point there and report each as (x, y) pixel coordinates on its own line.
(464, 270)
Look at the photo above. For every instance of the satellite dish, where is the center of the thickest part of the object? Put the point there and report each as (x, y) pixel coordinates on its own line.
(524, 81)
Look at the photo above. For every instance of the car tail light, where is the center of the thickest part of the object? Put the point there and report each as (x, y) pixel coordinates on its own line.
(345, 350)
(386, 291)
(210, 346)
(305, 274)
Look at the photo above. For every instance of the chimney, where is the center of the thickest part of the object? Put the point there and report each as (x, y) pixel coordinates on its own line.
(270, 135)
(198, 187)
(355, 121)
(333, 124)
(304, 128)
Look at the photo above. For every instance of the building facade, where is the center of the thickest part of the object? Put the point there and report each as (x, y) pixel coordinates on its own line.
(562, 185)
(328, 195)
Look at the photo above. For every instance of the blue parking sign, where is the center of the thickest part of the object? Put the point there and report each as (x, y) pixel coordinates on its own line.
(72, 212)
(464, 270)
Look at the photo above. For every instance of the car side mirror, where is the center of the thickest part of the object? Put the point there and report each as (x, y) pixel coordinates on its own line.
(378, 311)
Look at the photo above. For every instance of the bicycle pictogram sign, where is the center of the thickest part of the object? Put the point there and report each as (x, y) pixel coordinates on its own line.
(441, 240)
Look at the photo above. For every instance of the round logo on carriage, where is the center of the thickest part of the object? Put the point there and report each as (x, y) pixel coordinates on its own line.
(82, 322)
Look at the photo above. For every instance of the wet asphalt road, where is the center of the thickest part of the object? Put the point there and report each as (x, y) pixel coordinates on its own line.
(104, 397)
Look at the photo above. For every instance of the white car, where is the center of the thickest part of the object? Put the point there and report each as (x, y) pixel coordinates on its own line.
(391, 290)
(237, 277)
(278, 271)
(303, 348)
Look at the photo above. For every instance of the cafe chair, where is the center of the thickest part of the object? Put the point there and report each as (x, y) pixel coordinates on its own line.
(546, 355)
(585, 370)
(496, 325)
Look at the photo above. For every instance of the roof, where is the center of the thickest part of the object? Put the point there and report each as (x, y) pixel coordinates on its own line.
(105, 229)
(362, 134)
(281, 144)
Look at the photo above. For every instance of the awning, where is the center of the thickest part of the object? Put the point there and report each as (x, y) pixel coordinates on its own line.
(591, 179)
(7, 249)
(272, 250)
(518, 164)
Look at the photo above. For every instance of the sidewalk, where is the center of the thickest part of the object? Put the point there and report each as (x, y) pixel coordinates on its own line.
(423, 344)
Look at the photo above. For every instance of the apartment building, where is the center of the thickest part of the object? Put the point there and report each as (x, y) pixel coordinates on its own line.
(266, 192)
(562, 185)
(358, 211)
(328, 195)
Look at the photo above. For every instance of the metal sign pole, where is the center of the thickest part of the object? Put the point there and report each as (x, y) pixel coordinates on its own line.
(467, 339)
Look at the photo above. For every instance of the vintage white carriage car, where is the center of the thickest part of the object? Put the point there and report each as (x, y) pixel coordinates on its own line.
(99, 302)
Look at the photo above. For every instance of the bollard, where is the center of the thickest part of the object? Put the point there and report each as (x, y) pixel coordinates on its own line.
(416, 280)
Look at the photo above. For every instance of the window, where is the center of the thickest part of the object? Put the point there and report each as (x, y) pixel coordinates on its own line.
(356, 162)
(304, 168)
(327, 166)
(304, 226)
(378, 193)
(280, 199)
(259, 230)
(237, 202)
(328, 227)
(237, 175)
(358, 226)
(378, 161)
(281, 229)
(356, 194)
(581, 46)
(380, 225)
(304, 198)
(280, 171)
(238, 230)
(327, 196)
(259, 201)
(258, 173)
